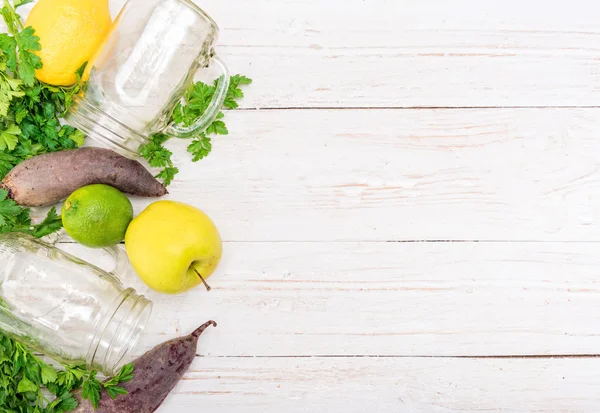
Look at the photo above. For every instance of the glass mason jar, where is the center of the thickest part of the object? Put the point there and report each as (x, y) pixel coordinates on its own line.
(66, 308)
(140, 73)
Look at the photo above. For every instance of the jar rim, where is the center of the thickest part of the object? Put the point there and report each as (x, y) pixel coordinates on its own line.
(122, 331)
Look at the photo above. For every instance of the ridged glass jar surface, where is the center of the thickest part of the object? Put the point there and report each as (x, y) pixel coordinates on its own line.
(66, 308)
(142, 70)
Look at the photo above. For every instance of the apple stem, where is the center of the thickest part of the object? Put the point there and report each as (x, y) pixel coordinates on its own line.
(203, 280)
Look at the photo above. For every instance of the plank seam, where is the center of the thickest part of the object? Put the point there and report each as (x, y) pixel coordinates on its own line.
(424, 241)
(353, 356)
(258, 109)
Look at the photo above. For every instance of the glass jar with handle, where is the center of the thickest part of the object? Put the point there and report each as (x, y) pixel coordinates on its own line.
(66, 308)
(140, 73)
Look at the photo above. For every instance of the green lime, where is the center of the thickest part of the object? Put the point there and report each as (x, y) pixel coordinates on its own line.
(97, 215)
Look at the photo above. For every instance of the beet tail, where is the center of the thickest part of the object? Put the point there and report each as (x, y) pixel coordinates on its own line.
(203, 327)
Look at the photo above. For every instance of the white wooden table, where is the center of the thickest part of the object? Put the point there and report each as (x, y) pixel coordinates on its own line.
(409, 199)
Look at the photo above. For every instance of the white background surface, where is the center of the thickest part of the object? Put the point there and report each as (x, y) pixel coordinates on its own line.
(409, 201)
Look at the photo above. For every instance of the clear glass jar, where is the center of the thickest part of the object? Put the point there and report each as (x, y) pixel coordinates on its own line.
(66, 308)
(150, 57)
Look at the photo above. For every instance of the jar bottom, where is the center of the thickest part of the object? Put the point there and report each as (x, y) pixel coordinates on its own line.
(104, 128)
(108, 352)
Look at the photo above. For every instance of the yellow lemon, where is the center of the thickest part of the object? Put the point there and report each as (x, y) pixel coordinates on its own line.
(173, 246)
(70, 33)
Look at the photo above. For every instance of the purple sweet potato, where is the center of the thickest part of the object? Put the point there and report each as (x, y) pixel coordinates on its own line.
(155, 374)
(46, 179)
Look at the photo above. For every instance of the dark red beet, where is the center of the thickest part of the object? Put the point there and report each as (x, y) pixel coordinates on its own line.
(46, 179)
(156, 373)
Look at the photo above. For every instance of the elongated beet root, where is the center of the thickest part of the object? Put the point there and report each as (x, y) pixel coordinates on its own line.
(155, 374)
(46, 179)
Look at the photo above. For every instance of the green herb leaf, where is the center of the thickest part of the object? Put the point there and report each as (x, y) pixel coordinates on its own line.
(160, 157)
(51, 224)
(195, 102)
(126, 373)
(63, 403)
(114, 391)
(91, 389)
(7, 162)
(9, 137)
(14, 218)
(217, 127)
(23, 377)
(81, 70)
(9, 89)
(9, 210)
(19, 3)
(67, 403)
(78, 137)
(11, 18)
(28, 43)
(168, 174)
(25, 385)
(200, 147)
(26, 39)
(8, 45)
(156, 154)
(30, 111)
(235, 92)
(49, 375)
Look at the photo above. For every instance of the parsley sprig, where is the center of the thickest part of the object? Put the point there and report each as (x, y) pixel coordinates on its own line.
(160, 157)
(195, 102)
(30, 111)
(30, 125)
(23, 378)
(92, 387)
(23, 375)
(14, 218)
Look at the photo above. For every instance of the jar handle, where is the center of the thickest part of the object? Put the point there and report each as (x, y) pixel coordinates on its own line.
(211, 113)
(121, 261)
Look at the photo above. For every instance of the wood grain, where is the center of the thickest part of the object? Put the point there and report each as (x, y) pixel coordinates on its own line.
(411, 53)
(326, 300)
(390, 175)
(383, 385)
(390, 299)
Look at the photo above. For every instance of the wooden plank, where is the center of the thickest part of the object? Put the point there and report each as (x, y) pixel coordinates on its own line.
(357, 175)
(383, 385)
(394, 299)
(411, 53)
